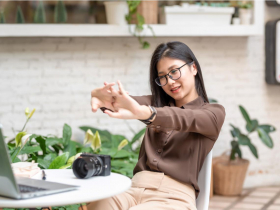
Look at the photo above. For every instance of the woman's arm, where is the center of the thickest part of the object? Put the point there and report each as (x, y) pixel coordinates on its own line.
(207, 121)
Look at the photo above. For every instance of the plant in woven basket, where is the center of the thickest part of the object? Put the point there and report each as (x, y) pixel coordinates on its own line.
(240, 138)
(139, 22)
(229, 172)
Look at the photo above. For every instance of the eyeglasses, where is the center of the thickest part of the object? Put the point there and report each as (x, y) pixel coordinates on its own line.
(173, 74)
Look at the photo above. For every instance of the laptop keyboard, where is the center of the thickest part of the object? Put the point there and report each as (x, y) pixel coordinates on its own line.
(24, 189)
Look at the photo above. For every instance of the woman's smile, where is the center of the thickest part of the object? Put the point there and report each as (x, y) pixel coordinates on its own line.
(176, 89)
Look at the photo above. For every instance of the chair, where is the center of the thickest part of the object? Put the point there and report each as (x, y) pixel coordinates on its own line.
(204, 182)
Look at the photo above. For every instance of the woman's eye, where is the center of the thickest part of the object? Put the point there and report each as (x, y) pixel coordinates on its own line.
(174, 71)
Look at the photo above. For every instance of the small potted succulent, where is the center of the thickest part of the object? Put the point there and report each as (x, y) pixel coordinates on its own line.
(229, 171)
(245, 12)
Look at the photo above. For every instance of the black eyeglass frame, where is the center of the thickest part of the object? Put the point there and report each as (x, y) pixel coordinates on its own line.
(179, 68)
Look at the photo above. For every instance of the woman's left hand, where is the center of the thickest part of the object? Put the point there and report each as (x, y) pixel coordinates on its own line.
(125, 106)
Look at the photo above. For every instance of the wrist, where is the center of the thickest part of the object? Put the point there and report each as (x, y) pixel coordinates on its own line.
(144, 112)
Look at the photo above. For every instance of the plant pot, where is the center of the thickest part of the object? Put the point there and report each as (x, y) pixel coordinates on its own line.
(197, 15)
(115, 12)
(149, 10)
(245, 16)
(229, 176)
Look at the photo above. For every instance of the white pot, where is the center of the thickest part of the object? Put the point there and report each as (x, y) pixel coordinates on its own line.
(116, 11)
(245, 16)
(236, 21)
(198, 15)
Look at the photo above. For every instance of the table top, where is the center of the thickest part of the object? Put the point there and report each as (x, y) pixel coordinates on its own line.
(92, 189)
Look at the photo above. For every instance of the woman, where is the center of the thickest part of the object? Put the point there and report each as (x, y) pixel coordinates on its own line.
(182, 128)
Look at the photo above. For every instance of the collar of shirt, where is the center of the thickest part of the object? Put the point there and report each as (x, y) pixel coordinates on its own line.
(198, 102)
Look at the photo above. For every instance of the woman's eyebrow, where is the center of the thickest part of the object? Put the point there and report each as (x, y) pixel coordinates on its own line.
(171, 67)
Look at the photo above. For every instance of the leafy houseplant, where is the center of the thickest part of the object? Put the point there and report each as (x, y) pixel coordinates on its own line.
(229, 172)
(60, 13)
(40, 15)
(2, 17)
(245, 12)
(139, 22)
(19, 16)
(51, 152)
(243, 139)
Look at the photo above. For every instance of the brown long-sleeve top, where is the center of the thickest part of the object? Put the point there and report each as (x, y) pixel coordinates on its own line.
(179, 139)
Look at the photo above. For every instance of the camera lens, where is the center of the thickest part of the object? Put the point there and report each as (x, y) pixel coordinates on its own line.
(87, 166)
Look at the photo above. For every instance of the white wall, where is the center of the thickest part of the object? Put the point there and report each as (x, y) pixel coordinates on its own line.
(56, 75)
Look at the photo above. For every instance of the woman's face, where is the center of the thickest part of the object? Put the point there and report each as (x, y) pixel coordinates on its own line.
(183, 89)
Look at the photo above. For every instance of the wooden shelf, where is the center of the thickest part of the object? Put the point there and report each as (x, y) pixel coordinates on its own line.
(104, 30)
(161, 30)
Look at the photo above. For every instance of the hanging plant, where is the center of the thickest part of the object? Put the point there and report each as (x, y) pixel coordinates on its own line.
(2, 17)
(140, 21)
(60, 13)
(40, 15)
(19, 16)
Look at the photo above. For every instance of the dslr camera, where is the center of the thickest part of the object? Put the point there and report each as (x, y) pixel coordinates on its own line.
(88, 165)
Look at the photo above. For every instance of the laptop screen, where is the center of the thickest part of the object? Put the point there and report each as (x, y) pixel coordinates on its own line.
(8, 186)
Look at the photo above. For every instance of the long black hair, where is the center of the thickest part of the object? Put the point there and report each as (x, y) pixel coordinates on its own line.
(176, 50)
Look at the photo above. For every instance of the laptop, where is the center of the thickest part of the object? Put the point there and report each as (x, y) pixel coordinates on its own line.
(23, 188)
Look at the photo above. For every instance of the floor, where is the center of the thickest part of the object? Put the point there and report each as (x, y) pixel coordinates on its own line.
(261, 198)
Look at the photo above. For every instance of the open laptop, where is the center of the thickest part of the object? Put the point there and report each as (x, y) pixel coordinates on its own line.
(23, 188)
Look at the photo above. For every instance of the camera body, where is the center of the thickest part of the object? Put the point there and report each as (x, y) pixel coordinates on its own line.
(89, 165)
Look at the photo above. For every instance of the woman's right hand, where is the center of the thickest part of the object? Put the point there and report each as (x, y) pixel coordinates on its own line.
(102, 97)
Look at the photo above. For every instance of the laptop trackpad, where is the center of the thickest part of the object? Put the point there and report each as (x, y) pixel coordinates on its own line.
(42, 184)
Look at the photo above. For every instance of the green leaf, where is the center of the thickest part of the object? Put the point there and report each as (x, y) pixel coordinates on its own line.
(86, 149)
(145, 45)
(59, 161)
(29, 149)
(33, 136)
(67, 133)
(252, 126)
(16, 160)
(71, 148)
(19, 137)
(122, 154)
(235, 132)
(265, 137)
(19, 17)
(116, 140)
(53, 140)
(68, 165)
(2, 17)
(104, 134)
(60, 13)
(267, 128)
(43, 163)
(243, 139)
(40, 15)
(245, 114)
(50, 157)
(15, 153)
(211, 100)
(137, 136)
(253, 150)
(235, 150)
(11, 145)
(42, 143)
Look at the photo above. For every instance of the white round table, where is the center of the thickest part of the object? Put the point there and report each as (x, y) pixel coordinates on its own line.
(92, 189)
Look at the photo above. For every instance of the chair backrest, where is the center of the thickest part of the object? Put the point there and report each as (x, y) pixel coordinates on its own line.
(204, 182)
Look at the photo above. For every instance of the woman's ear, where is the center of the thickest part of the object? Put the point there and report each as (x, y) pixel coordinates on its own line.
(194, 69)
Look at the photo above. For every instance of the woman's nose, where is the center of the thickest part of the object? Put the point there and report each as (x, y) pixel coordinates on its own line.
(170, 81)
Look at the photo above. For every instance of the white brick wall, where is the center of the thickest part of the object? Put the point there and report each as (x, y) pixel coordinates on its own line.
(56, 75)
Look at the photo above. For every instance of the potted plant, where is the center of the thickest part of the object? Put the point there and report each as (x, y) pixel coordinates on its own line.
(115, 12)
(245, 12)
(229, 171)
